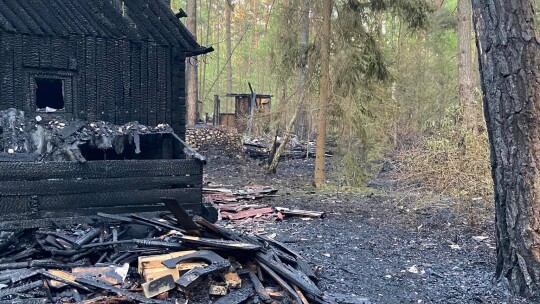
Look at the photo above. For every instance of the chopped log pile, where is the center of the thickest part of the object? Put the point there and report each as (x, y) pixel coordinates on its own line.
(133, 259)
(237, 205)
(205, 138)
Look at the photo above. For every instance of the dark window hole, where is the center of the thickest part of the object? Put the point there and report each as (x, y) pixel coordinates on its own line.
(49, 93)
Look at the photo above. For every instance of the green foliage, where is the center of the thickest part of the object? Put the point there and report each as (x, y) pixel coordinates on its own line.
(393, 74)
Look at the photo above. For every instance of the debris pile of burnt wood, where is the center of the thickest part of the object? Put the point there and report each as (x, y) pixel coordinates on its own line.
(261, 148)
(134, 259)
(58, 139)
(237, 205)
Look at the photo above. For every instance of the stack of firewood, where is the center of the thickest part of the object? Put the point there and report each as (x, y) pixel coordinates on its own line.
(209, 138)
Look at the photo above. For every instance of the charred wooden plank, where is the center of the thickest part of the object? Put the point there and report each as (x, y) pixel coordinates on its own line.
(64, 278)
(6, 68)
(41, 264)
(98, 169)
(301, 263)
(26, 301)
(78, 186)
(221, 244)
(154, 223)
(19, 289)
(17, 157)
(126, 64)
(237, 296)
(119, 291)
(303, 213)
(24, 274)
(182, 217)
(79, 202)
(152, 83)
(281, 282)
(100, 64)
(259, 288)
(158, 286)
(90, 85)
(192, 277)
(18, 74)
(144, 83)
(87, 237)
(226, 233)
(298, 278)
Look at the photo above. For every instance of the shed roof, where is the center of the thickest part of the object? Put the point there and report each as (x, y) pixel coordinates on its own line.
(135, 20)
(249, 95)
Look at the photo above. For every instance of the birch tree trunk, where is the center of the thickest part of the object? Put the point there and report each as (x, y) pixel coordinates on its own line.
(509, 59)
(191, 67)
(324, 94)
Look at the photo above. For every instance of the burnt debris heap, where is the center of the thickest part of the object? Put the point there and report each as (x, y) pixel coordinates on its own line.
(81, 81)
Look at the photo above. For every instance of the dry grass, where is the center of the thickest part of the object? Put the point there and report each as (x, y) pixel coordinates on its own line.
(459, 169)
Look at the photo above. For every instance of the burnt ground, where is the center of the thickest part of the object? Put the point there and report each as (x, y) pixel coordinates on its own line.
(384, 243)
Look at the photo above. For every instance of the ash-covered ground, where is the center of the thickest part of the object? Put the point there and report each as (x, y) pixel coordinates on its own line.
(382, 243)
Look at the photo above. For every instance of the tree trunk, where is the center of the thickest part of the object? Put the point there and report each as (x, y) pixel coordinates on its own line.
(206, 42)
(191, 67)
(465, 82)
(324, 94)
(272, 167)
(228, 50)
(509, 60)
(302, 124)
(217, 31)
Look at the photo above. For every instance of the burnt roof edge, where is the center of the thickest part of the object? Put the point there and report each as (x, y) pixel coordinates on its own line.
(199, 51)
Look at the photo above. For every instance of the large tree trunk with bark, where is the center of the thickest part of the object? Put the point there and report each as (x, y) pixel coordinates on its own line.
(465, 82)
(324, 94)
(509, 58)
(191, 67)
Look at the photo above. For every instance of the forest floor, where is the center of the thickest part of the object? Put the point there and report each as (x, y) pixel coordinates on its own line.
(384, 243)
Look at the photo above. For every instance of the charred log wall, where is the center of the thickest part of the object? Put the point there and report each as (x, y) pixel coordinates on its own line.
(104, 78)
(35, 192)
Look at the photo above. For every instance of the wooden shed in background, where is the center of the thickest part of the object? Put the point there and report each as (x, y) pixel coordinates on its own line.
(242, 109)
(110, 60)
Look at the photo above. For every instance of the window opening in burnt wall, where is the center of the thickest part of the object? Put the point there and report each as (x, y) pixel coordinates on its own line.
(50, 93)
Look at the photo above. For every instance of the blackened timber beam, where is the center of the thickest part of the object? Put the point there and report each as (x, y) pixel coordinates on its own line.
(281, 282)
(182, 217)
(80, 201)
(79, 186)
(189, 151)
(299, 279)
(98, 169)
(93, 283)
(16, 222)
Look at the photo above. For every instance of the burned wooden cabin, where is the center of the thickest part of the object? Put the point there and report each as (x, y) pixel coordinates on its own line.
(95, 60)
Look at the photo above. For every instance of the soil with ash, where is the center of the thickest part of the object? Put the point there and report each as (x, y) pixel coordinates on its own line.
(382, 243)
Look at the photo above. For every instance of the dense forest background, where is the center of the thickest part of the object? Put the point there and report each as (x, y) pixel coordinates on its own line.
(404, 82)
